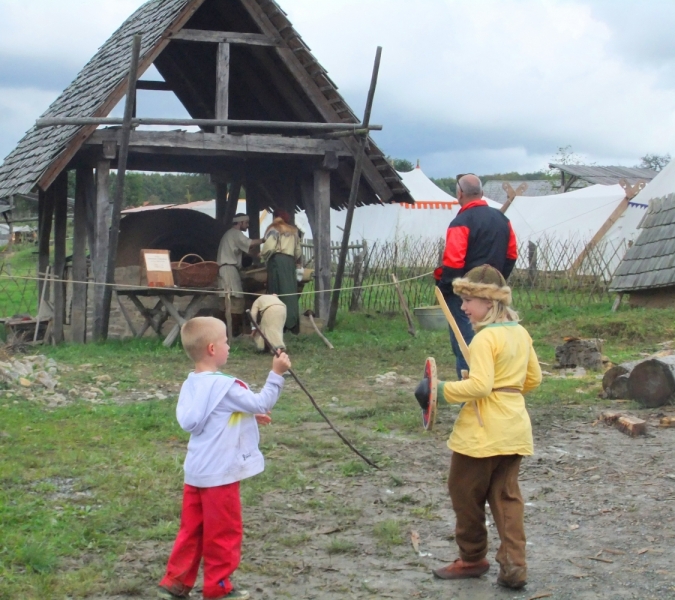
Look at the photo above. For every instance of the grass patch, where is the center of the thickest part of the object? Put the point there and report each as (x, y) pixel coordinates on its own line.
(341, 546)
(388, 533)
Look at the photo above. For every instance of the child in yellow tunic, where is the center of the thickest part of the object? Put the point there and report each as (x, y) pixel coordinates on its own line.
(486, 458)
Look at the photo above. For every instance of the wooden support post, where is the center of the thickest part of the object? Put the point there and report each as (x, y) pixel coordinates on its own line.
(232, 202)
(253, 212)
(46, 214)
(220, 181)
(100, 250)
(223, 84)
(321, 233)
(119, 191)
(60, 225)
(360, 156)
(84, 184)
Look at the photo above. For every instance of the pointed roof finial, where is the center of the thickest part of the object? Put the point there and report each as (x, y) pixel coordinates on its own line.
(418, 164)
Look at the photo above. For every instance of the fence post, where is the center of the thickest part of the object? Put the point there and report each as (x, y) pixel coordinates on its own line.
(359, 272)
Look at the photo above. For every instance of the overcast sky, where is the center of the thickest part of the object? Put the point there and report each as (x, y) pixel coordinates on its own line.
(465, 85)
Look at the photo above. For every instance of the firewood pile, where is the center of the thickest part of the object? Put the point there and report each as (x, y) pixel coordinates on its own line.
(650, 381)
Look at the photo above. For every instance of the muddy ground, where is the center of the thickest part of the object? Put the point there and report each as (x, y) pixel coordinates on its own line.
(599, 521)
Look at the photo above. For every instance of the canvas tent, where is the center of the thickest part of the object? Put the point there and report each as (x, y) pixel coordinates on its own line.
(597, 214)
(647, 271)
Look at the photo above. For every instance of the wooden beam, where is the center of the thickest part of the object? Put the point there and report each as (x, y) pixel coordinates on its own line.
(46, 214)
(220, 182)
(606, 226)
(222, 86)
(252, 210)
(118, 200)
(322, 252)
(353, 128)
(232, 201)
(154, 86)
(60, 226)
(100, 257)
(84, 184)
(115, 96)
(181, 142)
(224, 37)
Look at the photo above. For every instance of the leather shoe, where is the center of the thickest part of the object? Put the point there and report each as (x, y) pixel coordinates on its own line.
(463, 570)
(512, 577)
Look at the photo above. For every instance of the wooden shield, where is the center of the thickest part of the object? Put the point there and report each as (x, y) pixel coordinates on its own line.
(429, 415)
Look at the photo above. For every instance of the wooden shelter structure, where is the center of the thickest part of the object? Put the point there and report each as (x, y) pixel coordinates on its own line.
(240, 62)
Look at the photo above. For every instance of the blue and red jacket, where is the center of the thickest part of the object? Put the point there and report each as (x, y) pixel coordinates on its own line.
(478, 235)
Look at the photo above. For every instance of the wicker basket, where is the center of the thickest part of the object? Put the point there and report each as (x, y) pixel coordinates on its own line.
(194, 275)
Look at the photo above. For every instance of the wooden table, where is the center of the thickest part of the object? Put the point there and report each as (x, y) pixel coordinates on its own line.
(163, 309)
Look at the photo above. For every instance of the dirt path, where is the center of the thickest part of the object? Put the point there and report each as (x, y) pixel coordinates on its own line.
(600, 523)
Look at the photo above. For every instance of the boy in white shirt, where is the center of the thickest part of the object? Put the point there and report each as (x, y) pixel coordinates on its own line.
(221, 414)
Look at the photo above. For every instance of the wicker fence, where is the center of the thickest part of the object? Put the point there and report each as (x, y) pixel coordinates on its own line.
(549, 273)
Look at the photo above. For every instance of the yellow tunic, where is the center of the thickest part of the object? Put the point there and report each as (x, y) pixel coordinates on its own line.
(501, 355)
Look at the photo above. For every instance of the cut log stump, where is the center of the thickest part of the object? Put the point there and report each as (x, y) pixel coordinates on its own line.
(652, 382)
(579, 353)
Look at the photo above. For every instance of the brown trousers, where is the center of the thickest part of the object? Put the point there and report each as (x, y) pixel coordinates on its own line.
(471, 483)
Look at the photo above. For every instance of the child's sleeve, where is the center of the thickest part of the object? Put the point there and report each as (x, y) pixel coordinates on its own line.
(240, 398)
(481, 376)
(533, 377)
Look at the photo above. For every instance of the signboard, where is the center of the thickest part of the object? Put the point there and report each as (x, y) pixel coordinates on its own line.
(156, 266)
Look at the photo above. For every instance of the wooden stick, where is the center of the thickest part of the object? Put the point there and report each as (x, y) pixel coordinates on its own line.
(42, 299)
(119, 191)
(321, 335)
(353, 193)
(354, 129)
(276, 352)
(460, 340)
(404, 305)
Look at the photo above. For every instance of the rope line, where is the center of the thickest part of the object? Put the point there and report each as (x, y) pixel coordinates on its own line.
(123, 286)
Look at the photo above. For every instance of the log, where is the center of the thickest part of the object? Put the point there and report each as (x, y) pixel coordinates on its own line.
(618, 389)
(667, 422)
(652, 381)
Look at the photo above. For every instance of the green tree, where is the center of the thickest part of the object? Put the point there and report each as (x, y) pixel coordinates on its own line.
(655, 162)
(402, 165)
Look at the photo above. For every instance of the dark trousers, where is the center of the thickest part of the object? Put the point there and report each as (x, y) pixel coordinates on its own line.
(474, 481)
(455, 306)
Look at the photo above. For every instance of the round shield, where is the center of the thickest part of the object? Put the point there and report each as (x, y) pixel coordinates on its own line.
(429, 415)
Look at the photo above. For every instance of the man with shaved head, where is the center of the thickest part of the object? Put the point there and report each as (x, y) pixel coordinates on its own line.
(478, 235)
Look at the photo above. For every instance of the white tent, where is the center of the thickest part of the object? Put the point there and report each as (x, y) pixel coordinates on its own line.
(579, 217)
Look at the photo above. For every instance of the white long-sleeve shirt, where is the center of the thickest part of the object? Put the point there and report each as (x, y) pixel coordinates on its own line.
(218, 412)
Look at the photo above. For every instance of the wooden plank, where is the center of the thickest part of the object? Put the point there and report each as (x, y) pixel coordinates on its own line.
(252, 210)
(84, 183)
(100, 257)
(60, 226)
(211, 144)
(155, 86)
(224, 37)
(116, 96)
(322, 253)
(46, 214)
(222, 85)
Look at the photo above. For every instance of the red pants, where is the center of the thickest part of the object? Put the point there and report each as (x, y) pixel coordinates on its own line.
(210, 527)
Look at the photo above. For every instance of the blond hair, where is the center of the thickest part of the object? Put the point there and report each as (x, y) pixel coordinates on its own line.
(198, 333)
(498, 313)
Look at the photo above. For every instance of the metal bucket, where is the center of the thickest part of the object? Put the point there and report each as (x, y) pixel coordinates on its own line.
(431, 318)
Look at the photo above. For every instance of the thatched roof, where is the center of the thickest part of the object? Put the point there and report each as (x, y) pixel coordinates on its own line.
(283, 83)
(605, 175)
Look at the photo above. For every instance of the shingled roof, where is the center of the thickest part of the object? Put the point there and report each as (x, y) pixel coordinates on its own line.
(605, 175)
(43, 153)
(650, 262)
